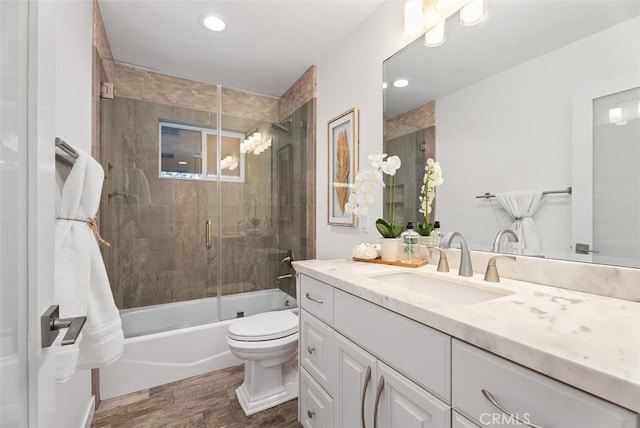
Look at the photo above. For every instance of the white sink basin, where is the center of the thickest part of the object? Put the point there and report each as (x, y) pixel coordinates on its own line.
(440, 289)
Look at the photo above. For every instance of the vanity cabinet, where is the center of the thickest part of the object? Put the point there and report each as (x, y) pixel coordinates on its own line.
(480, 377)
(367, 362)
(360, 361)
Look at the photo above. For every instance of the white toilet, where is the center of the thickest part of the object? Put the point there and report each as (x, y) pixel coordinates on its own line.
(268, 343)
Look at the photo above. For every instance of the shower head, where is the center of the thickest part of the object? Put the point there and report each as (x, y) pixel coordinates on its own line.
(280, 127)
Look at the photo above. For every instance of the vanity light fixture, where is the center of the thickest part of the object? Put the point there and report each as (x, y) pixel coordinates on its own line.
(400, 83)
(182, 162)
(448, 4)
(435, 36)
(413, 18)
(254, 144)
(213, 23)
(473, 13)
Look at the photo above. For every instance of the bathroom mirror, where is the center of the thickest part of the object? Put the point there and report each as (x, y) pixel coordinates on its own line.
(501, 105)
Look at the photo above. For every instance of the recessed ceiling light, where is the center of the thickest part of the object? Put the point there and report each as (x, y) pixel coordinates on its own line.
(384, 85)
(213, 23)
(400, 83)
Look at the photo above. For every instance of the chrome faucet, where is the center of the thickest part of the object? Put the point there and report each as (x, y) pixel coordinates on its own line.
(496, 243)
(465, 257)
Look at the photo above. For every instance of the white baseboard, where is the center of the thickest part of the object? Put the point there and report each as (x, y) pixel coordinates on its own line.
(91, 408)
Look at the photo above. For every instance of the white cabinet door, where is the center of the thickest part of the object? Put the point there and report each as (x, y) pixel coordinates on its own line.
(354, 386)
(402, 403)
(317, 353)
(316, 407)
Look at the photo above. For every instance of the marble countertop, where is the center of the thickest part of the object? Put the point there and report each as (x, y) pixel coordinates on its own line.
(588, 341)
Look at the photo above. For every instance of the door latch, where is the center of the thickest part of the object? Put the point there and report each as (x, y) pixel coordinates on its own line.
(50, 323)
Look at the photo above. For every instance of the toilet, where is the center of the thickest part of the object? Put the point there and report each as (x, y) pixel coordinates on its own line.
(268, 344)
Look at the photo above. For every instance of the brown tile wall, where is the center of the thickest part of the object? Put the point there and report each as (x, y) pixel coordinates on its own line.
(156, 225)
(419, 118)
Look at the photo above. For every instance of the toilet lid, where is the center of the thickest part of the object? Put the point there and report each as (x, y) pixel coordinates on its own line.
(265, 326)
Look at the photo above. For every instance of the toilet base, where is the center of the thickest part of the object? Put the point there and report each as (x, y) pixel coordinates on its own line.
(250, 407)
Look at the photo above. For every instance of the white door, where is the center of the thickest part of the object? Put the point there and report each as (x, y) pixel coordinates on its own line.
(27, 372)
(355, 369)
(605, 167)
(402, 403)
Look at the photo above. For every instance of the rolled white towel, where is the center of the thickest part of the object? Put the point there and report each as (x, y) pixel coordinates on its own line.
(371, 253)
(358, 251)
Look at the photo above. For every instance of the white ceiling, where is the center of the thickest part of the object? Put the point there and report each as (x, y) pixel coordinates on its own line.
(516, 31)
(265, 48)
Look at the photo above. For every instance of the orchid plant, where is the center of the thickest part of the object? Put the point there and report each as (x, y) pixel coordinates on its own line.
(432, 179)
(368, 184)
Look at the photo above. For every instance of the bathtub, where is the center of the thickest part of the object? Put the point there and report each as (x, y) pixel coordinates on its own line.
(165, 343)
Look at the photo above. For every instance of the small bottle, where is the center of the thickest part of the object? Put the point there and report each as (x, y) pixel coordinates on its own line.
(410, 239)
(436, 234)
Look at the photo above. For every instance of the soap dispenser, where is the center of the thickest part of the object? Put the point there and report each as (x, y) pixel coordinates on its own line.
(409, 239)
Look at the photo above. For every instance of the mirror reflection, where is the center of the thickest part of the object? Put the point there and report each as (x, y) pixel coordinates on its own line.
(520, 117)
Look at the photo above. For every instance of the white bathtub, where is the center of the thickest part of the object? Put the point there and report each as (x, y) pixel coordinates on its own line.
(154, 355)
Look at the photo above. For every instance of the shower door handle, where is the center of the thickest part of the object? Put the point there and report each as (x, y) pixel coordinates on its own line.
(208, 233)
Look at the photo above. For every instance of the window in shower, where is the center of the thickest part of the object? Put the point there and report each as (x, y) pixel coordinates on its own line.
(193, 153)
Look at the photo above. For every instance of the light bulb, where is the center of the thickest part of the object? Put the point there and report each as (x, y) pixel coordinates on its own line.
(473, 13)
(435, 36)
(447, 4)
(412, 17)
(400, 83)
(213, 23)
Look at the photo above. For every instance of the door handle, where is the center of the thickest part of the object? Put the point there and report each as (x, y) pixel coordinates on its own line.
(50, 323)
(367, 379)
(208, 233)
(377, 402)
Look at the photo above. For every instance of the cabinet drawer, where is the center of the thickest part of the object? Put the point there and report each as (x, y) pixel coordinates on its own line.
(316, 407)
(419, 352)
(459, 421)
(316, 348)
(531, 396)
(317, 298)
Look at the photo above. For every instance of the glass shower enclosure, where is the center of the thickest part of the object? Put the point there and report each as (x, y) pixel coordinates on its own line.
(204, 203)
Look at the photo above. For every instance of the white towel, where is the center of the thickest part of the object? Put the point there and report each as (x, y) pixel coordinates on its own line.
(358, 251)
(522, 205)
(366, 251)
(81, 286)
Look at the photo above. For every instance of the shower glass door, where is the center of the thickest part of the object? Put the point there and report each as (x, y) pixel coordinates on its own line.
(262, 217)
(203, 210)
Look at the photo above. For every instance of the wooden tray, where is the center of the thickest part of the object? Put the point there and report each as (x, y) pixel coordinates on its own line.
(403, 263)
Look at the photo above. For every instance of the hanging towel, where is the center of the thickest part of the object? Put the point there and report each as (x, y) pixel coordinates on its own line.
(522, 205)
(81, 285)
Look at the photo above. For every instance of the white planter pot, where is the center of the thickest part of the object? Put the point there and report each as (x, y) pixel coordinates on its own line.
(390, 249)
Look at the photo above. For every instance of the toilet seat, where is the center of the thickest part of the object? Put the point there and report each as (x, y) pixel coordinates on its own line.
(265, 326)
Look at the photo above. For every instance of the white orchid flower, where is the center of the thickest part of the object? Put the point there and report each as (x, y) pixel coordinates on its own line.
(391, 165)
(376, 158)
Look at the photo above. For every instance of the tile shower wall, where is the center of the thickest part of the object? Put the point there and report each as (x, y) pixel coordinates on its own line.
(157, 225)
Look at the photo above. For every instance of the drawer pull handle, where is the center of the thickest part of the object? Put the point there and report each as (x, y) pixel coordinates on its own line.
(378, 395)
(311, 413)
(310, 350)
(493, 401)
(367, 379)
(312, 299)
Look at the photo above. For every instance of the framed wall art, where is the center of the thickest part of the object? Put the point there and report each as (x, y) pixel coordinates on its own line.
(343, 165)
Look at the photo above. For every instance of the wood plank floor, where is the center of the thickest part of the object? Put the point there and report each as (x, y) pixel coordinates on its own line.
(207, 400)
